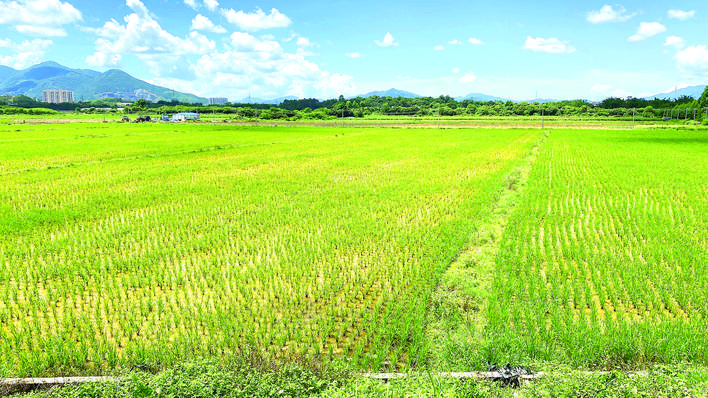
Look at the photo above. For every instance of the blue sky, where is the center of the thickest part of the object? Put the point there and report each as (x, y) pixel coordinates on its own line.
(269, 49)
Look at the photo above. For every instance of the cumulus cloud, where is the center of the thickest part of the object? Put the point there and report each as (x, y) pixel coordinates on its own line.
(602, 91)
(455, 70)
(304, 42)
(264, 66)
(438, 48)
(387, 41)
(26, 53)
(201, 22)
(241, 64)
(468, 78)
(211, 5)
(353, 55)
(647, 30)
(475, 42)
(257, 20)
(142, 36)
(681, 15)
(675, 41)
(693, 61)
(608, 13)
(551, 45)
(39, 17)
(454, 42)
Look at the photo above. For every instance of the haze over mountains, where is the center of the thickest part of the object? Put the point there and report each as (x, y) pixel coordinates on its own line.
(89, 84)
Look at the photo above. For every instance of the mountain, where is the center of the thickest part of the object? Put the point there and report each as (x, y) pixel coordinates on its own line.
(691, 91)
(479, 97)
(391, 93)
(274, 101)
(85, 83)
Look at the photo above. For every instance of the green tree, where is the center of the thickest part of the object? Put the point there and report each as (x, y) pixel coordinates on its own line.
(703, 101)
(140, 105)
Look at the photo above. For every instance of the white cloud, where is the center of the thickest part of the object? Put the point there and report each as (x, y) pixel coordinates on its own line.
(601, 91)
(608, 13)
(257, 20)
(675, 41)
(39, 17)
(26, 54)
(693, 61)
(647, 30)
(551, 45)
(454, 42)
(681, 15)
(438, 48)
(600, 88)
(619, 93)
(142, 36)
(353, 55)
(456, 70)
(304, 42)
(387, 41)
(211, 5)
(468, 78)
(103, 59)
(263, 66)
(201, 22)
(475, 42)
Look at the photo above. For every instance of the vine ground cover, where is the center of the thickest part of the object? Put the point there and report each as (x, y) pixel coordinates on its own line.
(126, 244)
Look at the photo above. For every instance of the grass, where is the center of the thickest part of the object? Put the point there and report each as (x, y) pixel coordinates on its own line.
(208, 379)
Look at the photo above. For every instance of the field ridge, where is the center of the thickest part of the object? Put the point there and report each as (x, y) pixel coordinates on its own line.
(457, 307)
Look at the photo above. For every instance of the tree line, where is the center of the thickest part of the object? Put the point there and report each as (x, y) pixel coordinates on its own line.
(442, 106)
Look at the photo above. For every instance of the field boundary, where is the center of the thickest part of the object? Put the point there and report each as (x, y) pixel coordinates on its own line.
(458, 304)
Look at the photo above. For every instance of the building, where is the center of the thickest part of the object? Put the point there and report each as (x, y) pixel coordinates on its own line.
(218, 100)
(131, 95)
(184, 116)
(57, 96)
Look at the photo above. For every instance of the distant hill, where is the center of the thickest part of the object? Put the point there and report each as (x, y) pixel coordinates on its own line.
(391, 93)
(85, 83)
(479, 97)
(274, 101)
(691, 91)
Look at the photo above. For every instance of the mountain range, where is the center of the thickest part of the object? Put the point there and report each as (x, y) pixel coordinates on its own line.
(89, 84)
(85, 83)
(691, 91)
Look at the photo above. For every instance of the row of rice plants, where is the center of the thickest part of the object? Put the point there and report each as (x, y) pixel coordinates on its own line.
(604, 263)
(322, 248)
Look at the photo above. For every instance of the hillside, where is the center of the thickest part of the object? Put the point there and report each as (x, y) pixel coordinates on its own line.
(390, 93)
(691, 91)
(85, 83)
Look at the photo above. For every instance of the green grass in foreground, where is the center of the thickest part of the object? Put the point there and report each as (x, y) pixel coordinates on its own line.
(197, 380)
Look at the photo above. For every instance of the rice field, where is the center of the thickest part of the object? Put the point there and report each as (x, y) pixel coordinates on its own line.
(151, 244)
(604, 263)
(156, 243)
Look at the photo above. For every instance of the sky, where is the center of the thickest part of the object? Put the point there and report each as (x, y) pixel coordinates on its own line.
(519, 50)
